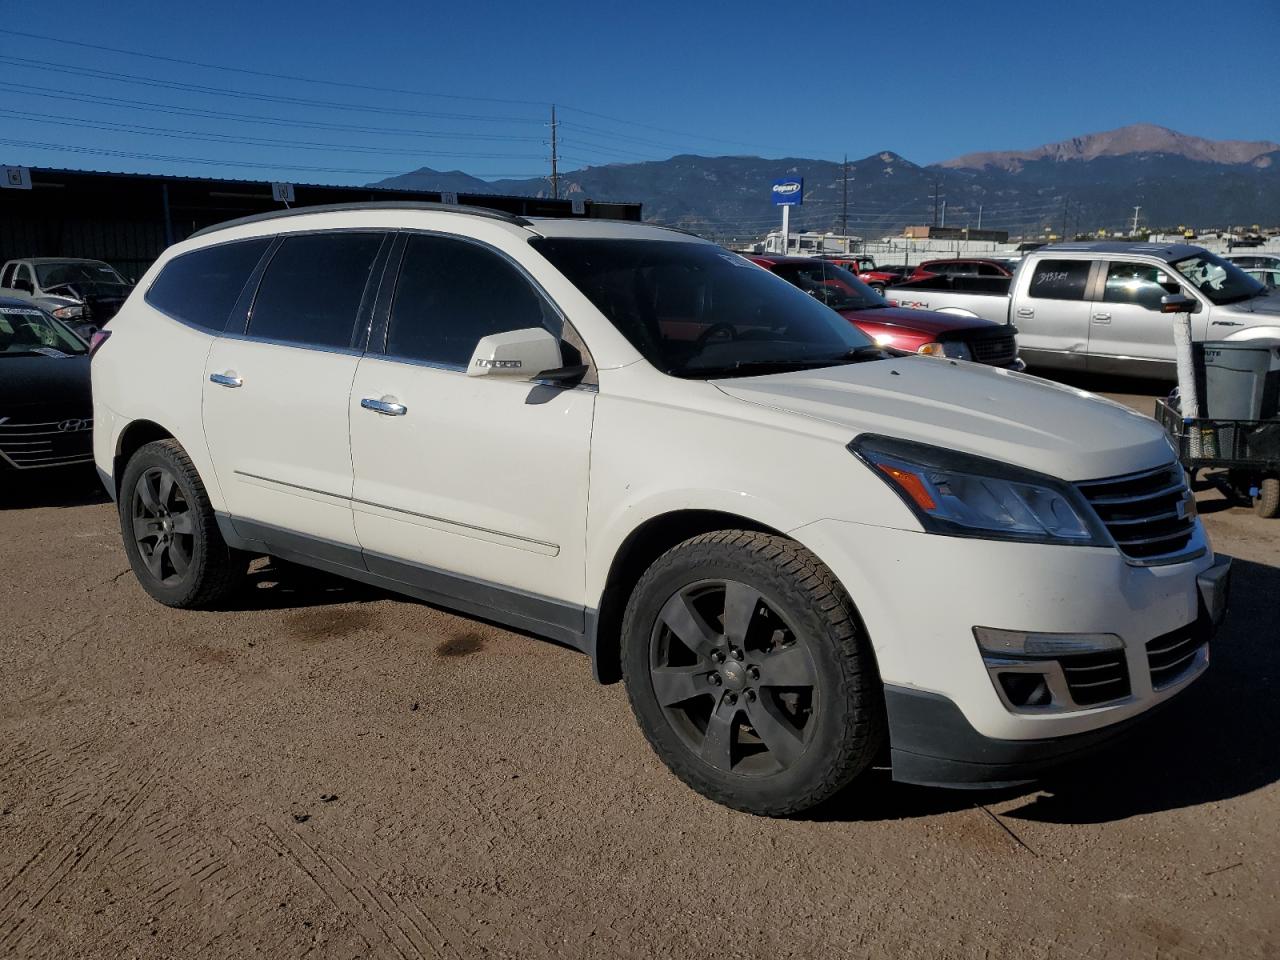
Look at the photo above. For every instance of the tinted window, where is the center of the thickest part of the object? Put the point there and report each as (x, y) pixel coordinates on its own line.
(695, 310)
(1138, 283)
(451, 293)
(836, 287)
(201, 288)
(311, 291)
(1060, 279)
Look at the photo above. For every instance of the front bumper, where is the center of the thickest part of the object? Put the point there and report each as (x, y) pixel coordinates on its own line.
(920, 595)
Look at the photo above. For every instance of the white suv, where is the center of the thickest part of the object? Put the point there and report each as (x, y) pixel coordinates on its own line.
(798, 549)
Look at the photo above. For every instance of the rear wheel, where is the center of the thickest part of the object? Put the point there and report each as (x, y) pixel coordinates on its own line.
(170, 533)
(1267, 503)
(749, 674)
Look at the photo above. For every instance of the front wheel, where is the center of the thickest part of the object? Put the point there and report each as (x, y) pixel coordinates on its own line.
(1267, 503)
(749, 673)
(170, 533)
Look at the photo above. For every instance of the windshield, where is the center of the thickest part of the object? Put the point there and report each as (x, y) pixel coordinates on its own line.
(696, 310)
(24, 332)
(87, 271)
(836, 287)
(1220, 281)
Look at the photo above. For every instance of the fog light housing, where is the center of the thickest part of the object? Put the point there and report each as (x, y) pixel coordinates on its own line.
(1025, 689)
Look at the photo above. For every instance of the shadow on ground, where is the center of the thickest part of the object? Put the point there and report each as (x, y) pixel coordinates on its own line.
(57, 487)
(276, 584)
(1214, 742)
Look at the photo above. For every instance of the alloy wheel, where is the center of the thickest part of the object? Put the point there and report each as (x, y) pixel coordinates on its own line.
(734, 680)
(163, 526)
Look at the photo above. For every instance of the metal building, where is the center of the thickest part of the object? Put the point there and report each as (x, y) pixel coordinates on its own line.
(127, 219)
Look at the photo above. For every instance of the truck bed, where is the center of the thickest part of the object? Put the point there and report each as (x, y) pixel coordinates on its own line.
(985, 297)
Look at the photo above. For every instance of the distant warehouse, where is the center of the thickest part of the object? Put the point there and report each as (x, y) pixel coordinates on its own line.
(956, 233)
(127, 219)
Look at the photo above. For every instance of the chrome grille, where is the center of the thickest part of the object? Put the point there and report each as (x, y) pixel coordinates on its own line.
(1150, 515)
(998, 350)
(47, 443)
(1094, 678)
(1173, 654)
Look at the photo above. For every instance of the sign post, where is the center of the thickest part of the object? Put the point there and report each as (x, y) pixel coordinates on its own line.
(787, 193)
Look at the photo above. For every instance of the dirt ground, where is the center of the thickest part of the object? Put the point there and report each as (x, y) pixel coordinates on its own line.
(328, 771)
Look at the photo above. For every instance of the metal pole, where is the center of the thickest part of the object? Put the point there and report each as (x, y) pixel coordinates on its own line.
(944, 214)
(555, 176)
(844, 215)
(979, 216)
(786, 229)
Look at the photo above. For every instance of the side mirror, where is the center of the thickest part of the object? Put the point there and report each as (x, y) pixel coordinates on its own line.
(1179, 303)
(518, 355)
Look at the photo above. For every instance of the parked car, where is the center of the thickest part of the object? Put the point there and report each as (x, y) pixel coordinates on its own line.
(793, 546)
(971, 267)
(1269, 278)
(1104, 306)
(917, 331)
(82, 293)
(46, 413)
(1254, 261)
(865, 268)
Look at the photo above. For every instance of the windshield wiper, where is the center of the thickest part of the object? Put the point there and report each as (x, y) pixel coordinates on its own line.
(757, 367)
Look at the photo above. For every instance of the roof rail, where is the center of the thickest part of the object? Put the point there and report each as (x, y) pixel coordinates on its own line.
(486, 212)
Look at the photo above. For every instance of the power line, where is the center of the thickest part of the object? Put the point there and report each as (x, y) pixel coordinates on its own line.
(244, 95)
(263, 73)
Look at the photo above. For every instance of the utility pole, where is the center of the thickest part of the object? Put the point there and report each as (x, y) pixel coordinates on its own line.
(1133, 231)
(935, 203)
(944, 214)
(1065, 202)
(555, 176)
(844, 215)
(979, 216)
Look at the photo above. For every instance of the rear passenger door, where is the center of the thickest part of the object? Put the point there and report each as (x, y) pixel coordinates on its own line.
(1052, 313)
(276, 390)
(477, 485)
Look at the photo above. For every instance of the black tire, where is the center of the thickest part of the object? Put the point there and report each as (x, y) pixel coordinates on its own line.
(878, 288)
(720, 724)
(170, 533)
(1267, 503)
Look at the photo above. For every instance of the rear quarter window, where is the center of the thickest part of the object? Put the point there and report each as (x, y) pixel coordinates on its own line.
(201, 288)
(1060, 279)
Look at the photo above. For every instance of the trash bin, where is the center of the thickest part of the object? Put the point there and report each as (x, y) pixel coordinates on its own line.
(1242, 379)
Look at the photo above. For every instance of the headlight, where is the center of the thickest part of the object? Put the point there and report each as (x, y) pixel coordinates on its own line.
(951, 349)
(960, 495)
(69, 312)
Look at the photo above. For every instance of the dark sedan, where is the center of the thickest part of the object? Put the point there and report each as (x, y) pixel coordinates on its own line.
(46, 409)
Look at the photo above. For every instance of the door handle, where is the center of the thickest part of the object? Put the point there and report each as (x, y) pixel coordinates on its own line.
(388, 408)
(226, 379)
(1226, 323)
(1102, 318)
(1026, 311)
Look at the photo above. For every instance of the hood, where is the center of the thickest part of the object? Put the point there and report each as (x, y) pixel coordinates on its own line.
(89, 288)
(1064, 432)
(921, 321)
(1268, 305)
(59, 383)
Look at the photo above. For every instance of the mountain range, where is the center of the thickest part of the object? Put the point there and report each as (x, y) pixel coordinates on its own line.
(1086, 183)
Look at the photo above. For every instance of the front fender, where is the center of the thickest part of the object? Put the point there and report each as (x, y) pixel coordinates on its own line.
(1271, 332)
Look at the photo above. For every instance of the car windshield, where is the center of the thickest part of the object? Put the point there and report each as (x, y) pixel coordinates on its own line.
(836, 287)
(696, 310)
(27, 332)
(1220, 281)
(76, 271)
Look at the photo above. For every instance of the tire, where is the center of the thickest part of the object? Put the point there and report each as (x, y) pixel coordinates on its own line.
(1267, 503)
(878, 288)
(771, 713)
(170, 533)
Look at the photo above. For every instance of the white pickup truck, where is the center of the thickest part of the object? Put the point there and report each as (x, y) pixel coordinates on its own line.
(1103, 306)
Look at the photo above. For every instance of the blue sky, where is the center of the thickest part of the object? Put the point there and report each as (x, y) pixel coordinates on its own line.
(634, 81)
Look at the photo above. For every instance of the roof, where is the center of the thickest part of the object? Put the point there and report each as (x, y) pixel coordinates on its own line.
(1165, 251)
(606, 229)
(777, 258)
(44, 260)
(371, 205)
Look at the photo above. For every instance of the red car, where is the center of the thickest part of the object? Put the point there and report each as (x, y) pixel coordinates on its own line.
(866, 270)
(917, 331)
(971, 267)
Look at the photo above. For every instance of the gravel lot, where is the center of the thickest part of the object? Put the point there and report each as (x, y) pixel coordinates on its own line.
(328, 771)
